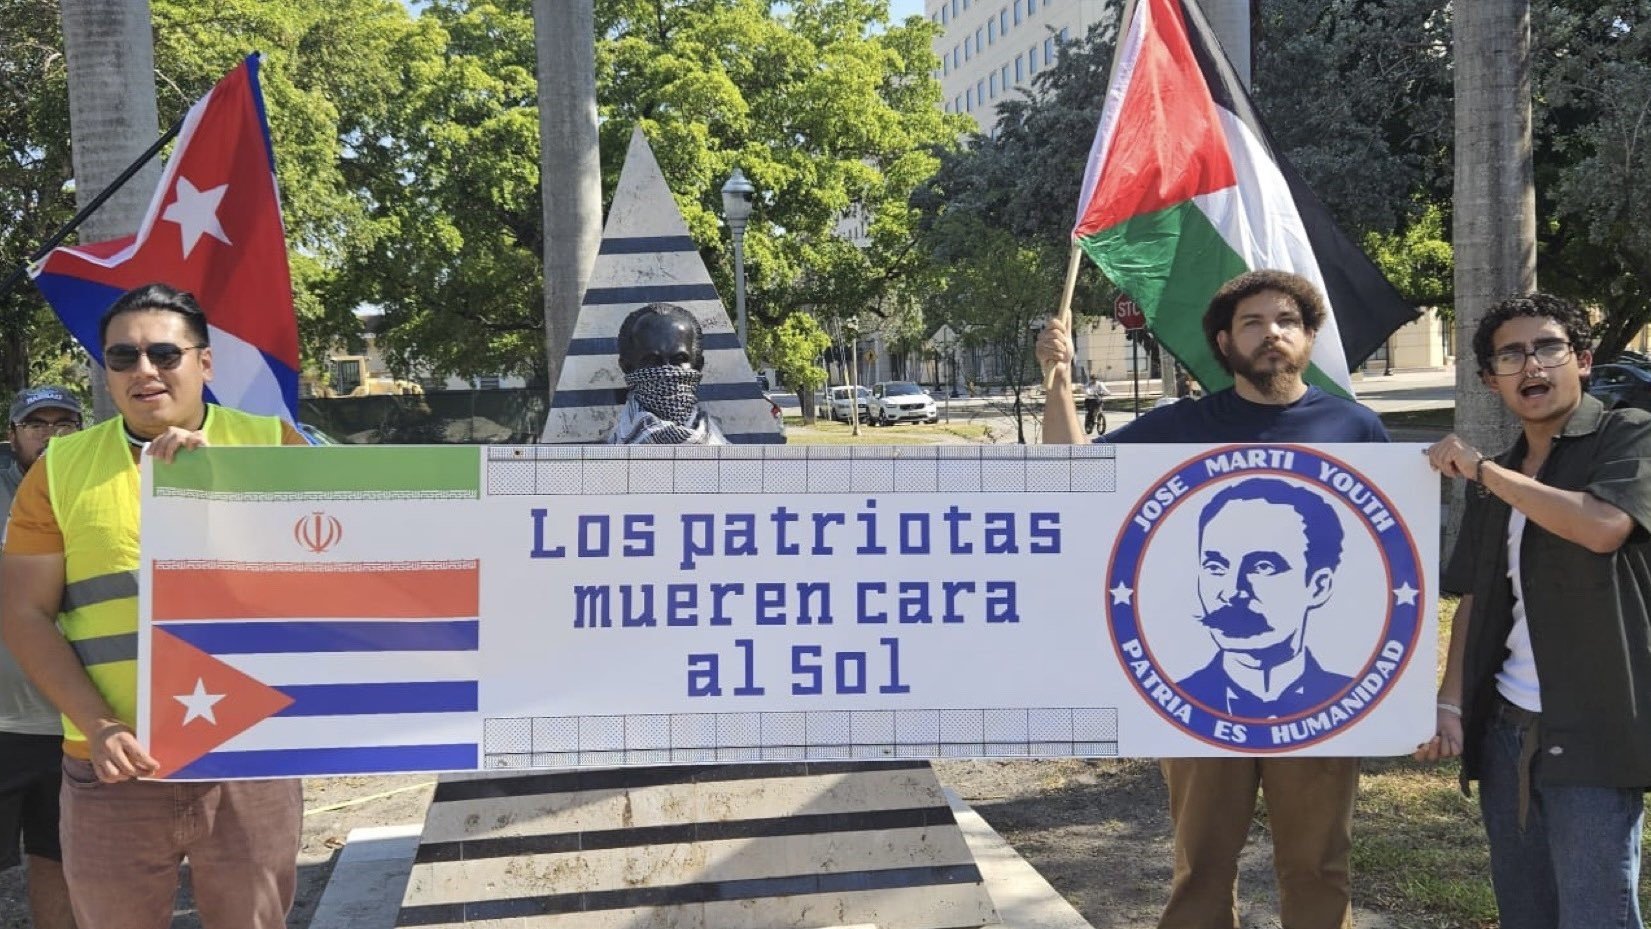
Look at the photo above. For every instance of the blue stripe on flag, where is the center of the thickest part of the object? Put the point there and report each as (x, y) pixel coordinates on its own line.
(361, 699)
(292, 762)
(80, 305)
(275, 638)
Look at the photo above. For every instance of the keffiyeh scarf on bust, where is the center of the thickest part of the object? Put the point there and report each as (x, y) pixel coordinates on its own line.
(663, 409)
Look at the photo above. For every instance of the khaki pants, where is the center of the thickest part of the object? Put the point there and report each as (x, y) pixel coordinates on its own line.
(123, 843)
(1310, 810)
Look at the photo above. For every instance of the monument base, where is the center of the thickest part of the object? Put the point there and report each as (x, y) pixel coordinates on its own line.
(804, 845)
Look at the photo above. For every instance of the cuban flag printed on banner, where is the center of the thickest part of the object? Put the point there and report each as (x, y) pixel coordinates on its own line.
(214, 229)
(272, 670)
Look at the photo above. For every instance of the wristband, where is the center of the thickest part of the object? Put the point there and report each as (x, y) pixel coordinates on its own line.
(1450, 708)
(1479, 470)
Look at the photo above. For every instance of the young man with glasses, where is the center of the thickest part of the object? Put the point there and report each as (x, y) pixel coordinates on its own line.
(31, 734)
(69, 613)
(1547, 689)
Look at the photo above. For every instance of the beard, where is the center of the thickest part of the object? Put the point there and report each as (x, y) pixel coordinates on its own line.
(1271, 369)
(1236, 622)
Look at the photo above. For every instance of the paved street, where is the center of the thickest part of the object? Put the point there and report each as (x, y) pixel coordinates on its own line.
(1398, 392)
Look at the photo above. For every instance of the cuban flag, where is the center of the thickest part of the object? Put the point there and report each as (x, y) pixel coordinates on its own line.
(214, 229)
(281, 669)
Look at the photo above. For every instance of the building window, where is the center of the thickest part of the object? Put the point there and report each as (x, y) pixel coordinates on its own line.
(954, 8)
(980, 38)
(1049, 50)
(969, 100)
(1032, 60)
(1003, 21)
(945, 16)
(1066, 35)
(945, 67)
(991, 31)
(968, 47)
(991, 84)
(1004, 80)
(980, 92)
(1020, 68)
(1020, 7)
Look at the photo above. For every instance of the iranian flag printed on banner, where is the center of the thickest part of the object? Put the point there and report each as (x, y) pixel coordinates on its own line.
(1185, 190)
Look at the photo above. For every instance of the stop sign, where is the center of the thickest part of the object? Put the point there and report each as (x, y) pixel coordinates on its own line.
(1128, 313)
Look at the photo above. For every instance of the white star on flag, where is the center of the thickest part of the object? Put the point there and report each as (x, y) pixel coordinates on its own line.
(1405, 595)
(1121, 594)
(196, 213)
(198, 705)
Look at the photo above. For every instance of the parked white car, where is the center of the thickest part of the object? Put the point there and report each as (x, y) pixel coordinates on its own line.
(902, 402)
(840, 409)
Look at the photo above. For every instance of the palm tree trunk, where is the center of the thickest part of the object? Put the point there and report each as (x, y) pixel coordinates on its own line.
(110, 54)
(570, 171)
(1495, 201)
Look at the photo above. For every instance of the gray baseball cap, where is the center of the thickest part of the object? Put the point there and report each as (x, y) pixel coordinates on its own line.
(41, 398)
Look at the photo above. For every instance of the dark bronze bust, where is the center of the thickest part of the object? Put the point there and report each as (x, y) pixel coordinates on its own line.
(662, 353)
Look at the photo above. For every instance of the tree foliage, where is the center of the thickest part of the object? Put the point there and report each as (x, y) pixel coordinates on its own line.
(830, 110)
(34, 174)
(793, 348)
(1593, 112)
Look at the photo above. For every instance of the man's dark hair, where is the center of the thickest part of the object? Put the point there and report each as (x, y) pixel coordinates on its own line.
(627, 329)
(1318, 518)
(1536, 304)
(1219, 317)
(158, 297)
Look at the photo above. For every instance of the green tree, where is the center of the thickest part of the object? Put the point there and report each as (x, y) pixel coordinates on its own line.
(826, 106)
(449, 179)
(330, 67)
(793, 348)
(1593, 114)
(35, 196)
(995, 293)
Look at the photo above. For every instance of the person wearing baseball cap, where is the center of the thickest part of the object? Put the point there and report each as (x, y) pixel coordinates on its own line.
(31, 732)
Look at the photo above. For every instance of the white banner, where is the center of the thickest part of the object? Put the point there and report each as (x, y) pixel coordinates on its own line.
(366, 609)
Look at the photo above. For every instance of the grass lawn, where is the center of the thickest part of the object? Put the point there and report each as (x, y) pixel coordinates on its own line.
(828, 432)
(1419, 849)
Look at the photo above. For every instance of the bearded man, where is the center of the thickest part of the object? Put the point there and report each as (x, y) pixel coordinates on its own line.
(662, 353)
(1260, 326)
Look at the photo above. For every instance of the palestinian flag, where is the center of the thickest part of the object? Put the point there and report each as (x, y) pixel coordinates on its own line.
(1185, 190)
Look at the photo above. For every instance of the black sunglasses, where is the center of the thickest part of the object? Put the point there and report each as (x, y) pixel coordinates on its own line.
(165, 356)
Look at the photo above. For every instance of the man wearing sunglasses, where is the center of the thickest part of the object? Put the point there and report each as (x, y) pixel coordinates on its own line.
(1547, 688)
(69, 578)
(30, 731)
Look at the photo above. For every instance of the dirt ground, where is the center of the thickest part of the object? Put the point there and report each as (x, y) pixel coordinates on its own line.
(1096, 830)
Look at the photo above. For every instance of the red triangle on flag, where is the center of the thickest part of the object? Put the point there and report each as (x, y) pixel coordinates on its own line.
(197, 703)
(1167, 145)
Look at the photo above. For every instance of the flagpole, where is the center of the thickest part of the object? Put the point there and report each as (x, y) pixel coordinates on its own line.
(1064, 317)
(56, 238)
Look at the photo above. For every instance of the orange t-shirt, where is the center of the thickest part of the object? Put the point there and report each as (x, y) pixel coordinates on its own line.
(33, 529)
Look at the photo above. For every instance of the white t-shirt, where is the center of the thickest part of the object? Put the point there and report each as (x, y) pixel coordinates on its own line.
(1517, 681)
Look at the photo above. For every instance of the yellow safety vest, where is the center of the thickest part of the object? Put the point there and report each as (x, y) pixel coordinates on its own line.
(93, 484)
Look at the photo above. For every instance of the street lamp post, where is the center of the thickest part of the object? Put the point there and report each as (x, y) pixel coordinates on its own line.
(946, 346)
(851, 332)
(736, 209)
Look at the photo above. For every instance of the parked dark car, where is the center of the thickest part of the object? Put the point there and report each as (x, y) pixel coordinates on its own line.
(1621, 385)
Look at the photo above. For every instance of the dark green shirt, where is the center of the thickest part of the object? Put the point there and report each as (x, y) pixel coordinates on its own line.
(1589, 614)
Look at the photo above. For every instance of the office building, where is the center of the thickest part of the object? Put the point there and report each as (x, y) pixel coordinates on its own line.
(990, 49)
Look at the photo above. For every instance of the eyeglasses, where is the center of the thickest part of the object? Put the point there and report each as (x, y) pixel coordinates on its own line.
(1510, 361)
(165, 356)
(38, 427)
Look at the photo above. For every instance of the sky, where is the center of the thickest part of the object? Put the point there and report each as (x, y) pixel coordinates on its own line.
(900, 9)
